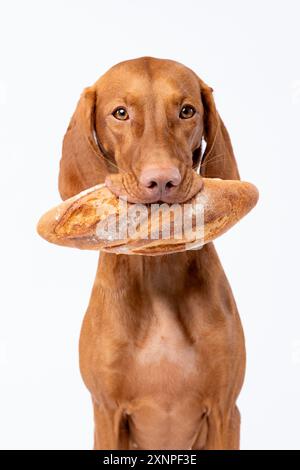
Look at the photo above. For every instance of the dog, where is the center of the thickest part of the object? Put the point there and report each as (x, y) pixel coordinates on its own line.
(161, 347)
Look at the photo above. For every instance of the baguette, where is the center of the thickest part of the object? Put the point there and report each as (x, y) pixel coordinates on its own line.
(96, 219)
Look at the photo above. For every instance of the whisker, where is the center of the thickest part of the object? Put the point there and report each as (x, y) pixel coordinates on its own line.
(214, 158)
(214, 140)
(104, 156)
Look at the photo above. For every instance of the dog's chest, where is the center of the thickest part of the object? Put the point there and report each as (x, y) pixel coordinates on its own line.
(164, 358)
(163, 383)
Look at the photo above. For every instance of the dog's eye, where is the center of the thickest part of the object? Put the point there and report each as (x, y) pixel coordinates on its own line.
(187, 111)
(121, 114)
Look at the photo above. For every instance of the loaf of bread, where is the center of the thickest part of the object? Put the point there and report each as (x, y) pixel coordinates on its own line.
(96, 219)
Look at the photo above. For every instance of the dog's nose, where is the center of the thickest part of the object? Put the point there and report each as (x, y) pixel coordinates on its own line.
(160, 181)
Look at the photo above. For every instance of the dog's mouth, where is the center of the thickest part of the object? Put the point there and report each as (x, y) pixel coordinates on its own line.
(126, 186)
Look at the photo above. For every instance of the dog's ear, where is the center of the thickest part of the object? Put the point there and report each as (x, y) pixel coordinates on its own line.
(82, 164)
(218, 160)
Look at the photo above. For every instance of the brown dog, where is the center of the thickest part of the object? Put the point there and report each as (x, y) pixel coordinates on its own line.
(161, 348)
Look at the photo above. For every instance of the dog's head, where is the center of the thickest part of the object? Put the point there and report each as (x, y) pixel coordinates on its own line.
(140, 129)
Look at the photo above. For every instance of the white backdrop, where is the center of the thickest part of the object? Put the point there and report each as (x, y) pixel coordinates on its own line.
(51, 50)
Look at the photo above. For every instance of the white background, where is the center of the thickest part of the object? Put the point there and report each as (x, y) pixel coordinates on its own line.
(249, 52)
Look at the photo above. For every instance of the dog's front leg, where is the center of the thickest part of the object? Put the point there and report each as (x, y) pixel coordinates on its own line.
(111, 430)
(223, 430)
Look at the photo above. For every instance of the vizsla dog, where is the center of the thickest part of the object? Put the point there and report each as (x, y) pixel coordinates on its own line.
(161, 347)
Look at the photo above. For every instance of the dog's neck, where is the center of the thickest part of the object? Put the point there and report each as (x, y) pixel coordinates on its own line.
(169, 274)
(136, 288)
